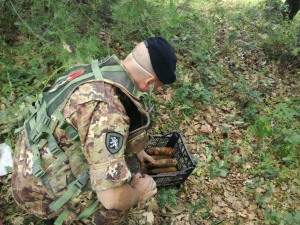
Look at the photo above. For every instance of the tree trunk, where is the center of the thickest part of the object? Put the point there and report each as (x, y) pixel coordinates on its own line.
(290, 9)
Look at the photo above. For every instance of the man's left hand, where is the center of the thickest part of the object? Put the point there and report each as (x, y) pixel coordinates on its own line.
(142, 157)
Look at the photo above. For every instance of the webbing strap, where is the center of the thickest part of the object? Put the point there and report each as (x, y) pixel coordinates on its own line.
(76, 185)
(56, 205)
(70, 130)
(40, 122)
(62, 217)
(84, 214)
(63, 124)
(19, 129)
(32, 122)
(37, 169)
(42, 113)
(36, 136)
(96, 70)
(44, 124)
(33, 109)
(58, 153)
(112, 68)
(88, 211)
(42, 131)
(54, 149)
(36, 153)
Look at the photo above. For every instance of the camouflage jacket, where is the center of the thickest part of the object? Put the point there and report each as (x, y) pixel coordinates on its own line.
(102, 115)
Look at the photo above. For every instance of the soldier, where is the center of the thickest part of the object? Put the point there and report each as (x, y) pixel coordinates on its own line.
(69, 162)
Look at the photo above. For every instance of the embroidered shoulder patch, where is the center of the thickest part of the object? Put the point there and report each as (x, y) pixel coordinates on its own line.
(114, 142)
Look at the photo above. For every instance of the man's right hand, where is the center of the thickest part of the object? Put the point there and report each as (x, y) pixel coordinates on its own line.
(140, 189)
(145, 185)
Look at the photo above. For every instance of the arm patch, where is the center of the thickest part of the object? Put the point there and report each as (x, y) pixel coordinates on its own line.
(114, 142)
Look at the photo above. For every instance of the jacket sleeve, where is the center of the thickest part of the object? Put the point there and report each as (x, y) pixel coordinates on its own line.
(103, 127)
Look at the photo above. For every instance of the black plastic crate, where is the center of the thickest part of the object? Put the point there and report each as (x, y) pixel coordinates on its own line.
(185, 164)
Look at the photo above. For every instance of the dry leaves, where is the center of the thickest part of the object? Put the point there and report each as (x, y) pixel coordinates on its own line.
(149, 217)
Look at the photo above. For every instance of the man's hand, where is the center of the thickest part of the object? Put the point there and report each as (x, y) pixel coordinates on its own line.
(142, 157)
(145, 185)
(140, 189)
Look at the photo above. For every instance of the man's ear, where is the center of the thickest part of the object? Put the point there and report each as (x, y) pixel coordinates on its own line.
(149, 80)
(144, 83)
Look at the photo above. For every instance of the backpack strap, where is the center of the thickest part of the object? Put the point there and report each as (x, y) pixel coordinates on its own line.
(96, 70)
(62, 217)
(73, 187)
(84, 214)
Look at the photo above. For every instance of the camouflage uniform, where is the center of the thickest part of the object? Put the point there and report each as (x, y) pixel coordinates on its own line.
(93, 109)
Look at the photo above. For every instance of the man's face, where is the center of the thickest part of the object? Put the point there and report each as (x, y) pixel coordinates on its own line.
(138, 64)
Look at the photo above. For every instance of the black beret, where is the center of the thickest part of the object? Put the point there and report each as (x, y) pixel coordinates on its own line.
(163, 59)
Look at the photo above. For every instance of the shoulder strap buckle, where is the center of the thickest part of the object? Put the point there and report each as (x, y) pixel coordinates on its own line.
(81, 181)
(54, 149)
(35, 136)
(38, 172)
(46, 120)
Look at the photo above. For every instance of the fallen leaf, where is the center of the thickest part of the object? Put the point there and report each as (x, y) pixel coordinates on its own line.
(222, 204)
(216, 210)
(184, 217)
(142, 222)
(153, 206)
(243, 214)
(246, 166)
(172, 210)
(284, 187)
(259, 190)
(205, 128)
(149, 216)
(252, 216)
(67, 47)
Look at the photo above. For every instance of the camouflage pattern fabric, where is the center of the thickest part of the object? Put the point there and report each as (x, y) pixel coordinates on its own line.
(94, 109)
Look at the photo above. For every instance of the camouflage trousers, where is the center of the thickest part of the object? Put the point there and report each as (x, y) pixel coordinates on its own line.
(110, 217)
(32, 196)
(100, 217)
